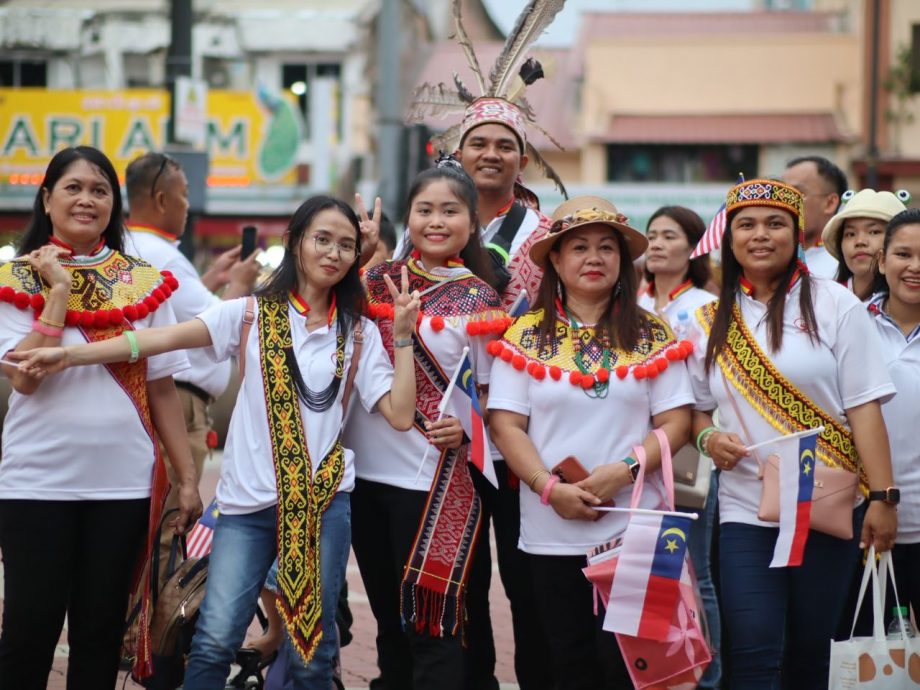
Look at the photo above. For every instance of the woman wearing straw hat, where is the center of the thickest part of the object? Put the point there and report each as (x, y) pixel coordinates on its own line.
(854, 236)
(584, 374)
(784, 352)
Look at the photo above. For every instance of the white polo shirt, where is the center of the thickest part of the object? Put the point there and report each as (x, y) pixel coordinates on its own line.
(563, 421)
(842, 371)
(247, 473)
(821, 263)
(78, 437)
(688, 300)
(188, 301)
(902, 357)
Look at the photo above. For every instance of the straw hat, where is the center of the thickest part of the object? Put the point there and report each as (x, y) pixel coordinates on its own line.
(587, 210)
(866, 203)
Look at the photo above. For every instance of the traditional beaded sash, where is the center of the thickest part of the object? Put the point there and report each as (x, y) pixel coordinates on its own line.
(302, 495)
(779, 402)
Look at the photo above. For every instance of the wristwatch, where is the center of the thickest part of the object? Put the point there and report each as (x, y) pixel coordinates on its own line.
(891, 495)
(633, 466)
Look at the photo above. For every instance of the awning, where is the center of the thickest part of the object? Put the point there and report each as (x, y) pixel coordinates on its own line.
(722, 129)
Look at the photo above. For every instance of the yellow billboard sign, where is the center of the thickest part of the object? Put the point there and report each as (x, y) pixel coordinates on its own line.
(251, 138)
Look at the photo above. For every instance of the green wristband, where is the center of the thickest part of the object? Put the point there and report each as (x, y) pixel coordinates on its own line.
(703, 435)
(135, 350)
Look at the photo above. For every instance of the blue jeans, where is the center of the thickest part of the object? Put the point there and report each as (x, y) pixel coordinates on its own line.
(700, 554)
(780, 621)
(243, 550)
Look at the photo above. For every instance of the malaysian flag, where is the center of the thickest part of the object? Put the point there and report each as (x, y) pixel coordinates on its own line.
(199, 538)
(712, 238)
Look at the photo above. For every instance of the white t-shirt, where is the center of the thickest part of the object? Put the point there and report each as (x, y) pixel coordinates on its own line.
(78, 436)
(841, 372)
(821, 263)
(688, 300)
(187, 302)
(564, 421)
(393, 457)
(902, 357)
(247, 474)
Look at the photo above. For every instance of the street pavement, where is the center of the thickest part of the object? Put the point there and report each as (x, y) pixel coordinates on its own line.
(359, 659)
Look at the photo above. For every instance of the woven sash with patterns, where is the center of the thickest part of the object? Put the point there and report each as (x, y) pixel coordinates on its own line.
(303, 495)
(786, 408)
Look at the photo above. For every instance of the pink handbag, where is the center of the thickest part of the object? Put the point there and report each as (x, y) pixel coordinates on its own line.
(680, 661)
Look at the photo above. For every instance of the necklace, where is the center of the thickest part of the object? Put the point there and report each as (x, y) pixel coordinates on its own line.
(317, 401)
(599, 388)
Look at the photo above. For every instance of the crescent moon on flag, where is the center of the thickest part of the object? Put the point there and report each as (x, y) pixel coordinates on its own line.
(674, 530)
(466, 378)
(806, 454)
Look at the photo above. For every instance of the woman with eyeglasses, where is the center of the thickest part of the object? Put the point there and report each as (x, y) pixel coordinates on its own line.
(286, 477)
(416, 510)
(81, 481)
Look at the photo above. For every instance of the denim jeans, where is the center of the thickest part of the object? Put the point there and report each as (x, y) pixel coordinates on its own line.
(243, 550)
(700, 546)
(780, 621)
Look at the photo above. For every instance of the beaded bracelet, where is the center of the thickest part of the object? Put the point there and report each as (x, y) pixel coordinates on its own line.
(547, 489)
(701, 439)
(47, 329)
(135, 350)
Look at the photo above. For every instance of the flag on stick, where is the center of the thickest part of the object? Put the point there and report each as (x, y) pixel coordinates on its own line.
(200, 537)
(712, 238)
(463, 401)
(646, 582)
(796, 485)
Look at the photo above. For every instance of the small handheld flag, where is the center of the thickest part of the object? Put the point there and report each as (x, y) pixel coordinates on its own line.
(712, 238)
(464, 405)
(796, 486)
(202, 534)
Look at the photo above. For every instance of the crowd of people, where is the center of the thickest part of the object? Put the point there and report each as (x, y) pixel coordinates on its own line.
(583, 339)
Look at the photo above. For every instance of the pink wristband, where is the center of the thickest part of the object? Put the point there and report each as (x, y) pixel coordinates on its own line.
(45, 329)
(547, 488)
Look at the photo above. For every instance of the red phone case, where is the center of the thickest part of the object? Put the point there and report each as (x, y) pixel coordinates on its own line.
(570, 471)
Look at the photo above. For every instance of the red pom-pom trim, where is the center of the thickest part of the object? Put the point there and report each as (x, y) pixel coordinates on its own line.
(587, 382)
(37, 301)
(158, 295)
(474, 327)
(87, 319)
(494, 348)
(622, 371)
(151, 303)
(7, 293)
(72, 318)
(101, 318)
(640, 372)
(662, 364)
(602, 375)
(507, 355)
(575, 378)
(116, 316)
(437, 323)
(22, 300)
(555, 373)
(674, 354)
(142, 311)
(687, 348)
(130, 312)
(539, 372)
(519, 362)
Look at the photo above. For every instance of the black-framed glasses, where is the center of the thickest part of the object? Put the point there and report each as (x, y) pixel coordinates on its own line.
(324, 244)
(156, 178)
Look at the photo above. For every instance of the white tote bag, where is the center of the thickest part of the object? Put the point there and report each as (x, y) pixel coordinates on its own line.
(875, 663)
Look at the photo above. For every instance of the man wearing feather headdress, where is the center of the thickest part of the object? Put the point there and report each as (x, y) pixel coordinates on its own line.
(491, 143)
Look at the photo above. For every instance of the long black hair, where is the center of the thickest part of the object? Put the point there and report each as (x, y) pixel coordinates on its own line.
(349, 293)
(40, 230)
(731, 277)
(910, 216)
(474, 255)
(624, 321)
(698, 270)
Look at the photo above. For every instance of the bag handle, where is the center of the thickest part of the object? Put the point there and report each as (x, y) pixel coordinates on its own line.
(886, 572)
(870, 573)
(667, 471)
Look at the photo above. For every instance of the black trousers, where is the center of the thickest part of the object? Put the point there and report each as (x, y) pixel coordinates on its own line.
(583, 656)
(74, 558)
(384, 522)
(503, 507)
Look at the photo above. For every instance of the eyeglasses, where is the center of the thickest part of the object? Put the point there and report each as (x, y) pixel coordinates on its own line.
(324, 245)
(156, 178)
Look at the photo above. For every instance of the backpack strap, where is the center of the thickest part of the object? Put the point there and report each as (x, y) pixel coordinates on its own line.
(249, 316)
(501, 243)
(353, 368)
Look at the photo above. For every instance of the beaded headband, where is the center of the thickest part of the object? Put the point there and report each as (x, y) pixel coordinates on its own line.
(767, 193)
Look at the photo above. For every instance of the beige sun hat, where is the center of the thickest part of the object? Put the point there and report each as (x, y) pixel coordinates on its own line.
(587, 210)
(866, 203)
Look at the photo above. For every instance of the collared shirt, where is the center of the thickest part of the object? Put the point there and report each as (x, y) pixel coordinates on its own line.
(685, 297)
(192, 298)
(901, 356)
(843, 370)
(820, 263)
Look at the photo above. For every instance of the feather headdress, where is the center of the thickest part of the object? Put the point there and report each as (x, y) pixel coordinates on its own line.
(502, 98)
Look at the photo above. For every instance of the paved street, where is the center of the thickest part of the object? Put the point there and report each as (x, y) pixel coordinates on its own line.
(358, 658)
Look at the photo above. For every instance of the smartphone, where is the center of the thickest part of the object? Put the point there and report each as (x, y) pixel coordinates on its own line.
(249, 242)
(571, 471)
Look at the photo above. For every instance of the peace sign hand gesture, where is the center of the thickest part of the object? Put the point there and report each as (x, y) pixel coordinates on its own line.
(406, 306)
(369, 227)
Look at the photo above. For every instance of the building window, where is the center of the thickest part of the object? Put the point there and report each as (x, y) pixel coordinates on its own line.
(298, 79)
(18, 72)
(679, 162)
